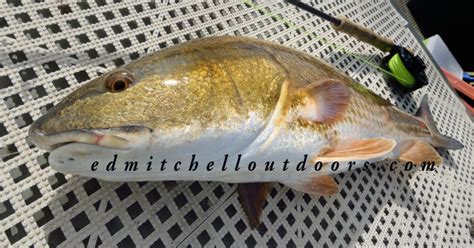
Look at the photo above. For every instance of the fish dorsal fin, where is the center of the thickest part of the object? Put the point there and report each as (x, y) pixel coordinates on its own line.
(252, 196)
(326, 101)
(418, 152)
(315, 185)
(424, 114)
(363, 149)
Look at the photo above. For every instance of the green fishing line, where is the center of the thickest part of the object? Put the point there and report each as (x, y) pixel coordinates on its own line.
(398, 71)
(397, 67)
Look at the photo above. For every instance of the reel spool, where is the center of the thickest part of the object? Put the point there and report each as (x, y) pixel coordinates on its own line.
(408, 70)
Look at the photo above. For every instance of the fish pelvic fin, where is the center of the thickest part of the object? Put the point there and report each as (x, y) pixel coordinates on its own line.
(419, 152)
(438, 140)
(315, 185)
(252, 197)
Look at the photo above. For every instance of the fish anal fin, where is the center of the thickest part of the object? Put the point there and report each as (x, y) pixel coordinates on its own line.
(418, 152)
(315, 185)
(326, 101)
(364, 149)
(252, 197)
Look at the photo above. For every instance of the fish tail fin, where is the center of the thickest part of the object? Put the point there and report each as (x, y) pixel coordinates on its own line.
(438, 140)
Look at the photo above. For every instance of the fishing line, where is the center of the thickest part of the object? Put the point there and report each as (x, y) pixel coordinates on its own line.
(395, 64)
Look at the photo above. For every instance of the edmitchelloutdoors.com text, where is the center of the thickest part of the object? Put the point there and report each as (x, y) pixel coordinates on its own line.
(229, 164)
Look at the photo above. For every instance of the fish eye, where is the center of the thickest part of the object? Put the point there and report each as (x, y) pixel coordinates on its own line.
(119, 81)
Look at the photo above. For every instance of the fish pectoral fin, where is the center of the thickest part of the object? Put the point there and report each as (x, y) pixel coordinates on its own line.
(315, 185)
(326, 101)
(418, 152)
(364, 149)
(252, 196)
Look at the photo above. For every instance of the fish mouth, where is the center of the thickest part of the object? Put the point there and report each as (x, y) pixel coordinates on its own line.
(123, 138)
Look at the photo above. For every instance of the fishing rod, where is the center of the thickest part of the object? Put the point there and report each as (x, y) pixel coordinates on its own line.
(408, 69)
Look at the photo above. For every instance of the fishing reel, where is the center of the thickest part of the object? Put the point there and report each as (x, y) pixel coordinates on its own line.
(407, 69)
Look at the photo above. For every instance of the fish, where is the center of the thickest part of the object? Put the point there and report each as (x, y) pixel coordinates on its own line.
(228, 100)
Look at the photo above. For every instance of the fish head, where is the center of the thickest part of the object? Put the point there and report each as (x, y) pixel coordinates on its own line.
(185, 99)
(160, 101)
(105, 116)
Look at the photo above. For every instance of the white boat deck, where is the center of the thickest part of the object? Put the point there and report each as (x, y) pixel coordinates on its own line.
(49, 49)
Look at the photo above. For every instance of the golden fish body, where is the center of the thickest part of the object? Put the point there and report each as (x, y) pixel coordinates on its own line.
(229, 96)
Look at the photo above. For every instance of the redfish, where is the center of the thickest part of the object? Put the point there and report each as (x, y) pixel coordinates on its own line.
(223, 100)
